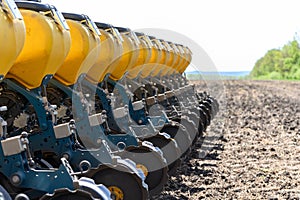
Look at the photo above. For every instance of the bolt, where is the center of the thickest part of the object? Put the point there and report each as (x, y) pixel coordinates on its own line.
(66, 156)
(99, 141)
(16, 179)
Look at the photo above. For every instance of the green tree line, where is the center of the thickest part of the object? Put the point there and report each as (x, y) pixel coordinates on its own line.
(283, 63)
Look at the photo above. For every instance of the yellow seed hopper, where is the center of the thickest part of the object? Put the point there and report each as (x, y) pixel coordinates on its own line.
(12, 35)
(127, 59)
(170, 59)
(145, 56)
(85, 49)
(187, 58)
(177, 58)
(111, 48)
(46, 45)
(163, 59)
(182, 59)
(156, 55)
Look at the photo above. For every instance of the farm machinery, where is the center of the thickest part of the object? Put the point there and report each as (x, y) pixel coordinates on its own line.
(89, 110)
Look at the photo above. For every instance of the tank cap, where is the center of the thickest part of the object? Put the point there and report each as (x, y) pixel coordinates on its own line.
(32, 5)
(103, 25)
(109, 28)
(139, 34)
(84, 19)
(151, 37)
(122, 29)
(73, 16)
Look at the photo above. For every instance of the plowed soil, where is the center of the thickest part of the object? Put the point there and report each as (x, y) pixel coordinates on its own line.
(251, 150)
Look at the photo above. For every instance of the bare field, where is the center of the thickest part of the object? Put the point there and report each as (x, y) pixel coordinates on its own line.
(256, 153)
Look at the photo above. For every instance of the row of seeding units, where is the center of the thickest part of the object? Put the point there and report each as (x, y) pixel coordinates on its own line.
(90, 110)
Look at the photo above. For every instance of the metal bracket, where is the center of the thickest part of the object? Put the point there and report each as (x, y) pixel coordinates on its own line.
(62, 131)
(11, 7)
(138, 105)
(96, 119)
(12, 146)
(119, 112)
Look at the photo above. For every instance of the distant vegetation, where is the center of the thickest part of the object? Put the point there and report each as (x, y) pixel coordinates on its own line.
(215, 75)
(279, 64)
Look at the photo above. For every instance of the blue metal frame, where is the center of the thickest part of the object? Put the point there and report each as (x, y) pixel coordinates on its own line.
(46, 140)
(139, 116)
(92, 133)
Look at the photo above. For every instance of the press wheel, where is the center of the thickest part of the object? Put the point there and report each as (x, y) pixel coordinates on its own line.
(207, 113)
(4, 194)
(197, 120)
(152, 163)
(170, 149)
(123, 185)
(179, 133)
(191, 128)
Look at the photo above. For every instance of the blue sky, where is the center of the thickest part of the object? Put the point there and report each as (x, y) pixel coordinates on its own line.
(233, 33)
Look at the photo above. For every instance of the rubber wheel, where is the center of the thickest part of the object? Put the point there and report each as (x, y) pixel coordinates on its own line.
(209, 107)
(203, 117)
(4, 194)
(207, 113)
(170, 149)
(179, 133)
(212, 107)
(154, 163)
(215, 105)
(123, 185)
(191, 128)
(196, 119)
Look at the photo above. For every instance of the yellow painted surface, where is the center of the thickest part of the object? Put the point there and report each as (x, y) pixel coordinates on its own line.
(161, 62)
(181, 59)
(145, 55)
(177, 59)
(12, 38)
(108, 52)
(187, 58)
(46, 47)
(123, 61)
(169, 62)
(84, 52)
(153, 61)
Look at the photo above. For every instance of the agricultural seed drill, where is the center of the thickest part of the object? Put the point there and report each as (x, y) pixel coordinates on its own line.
(164, 85)
(65, 90)
(80, 98)
(21, 175)
(48, 142)
(137, 110)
